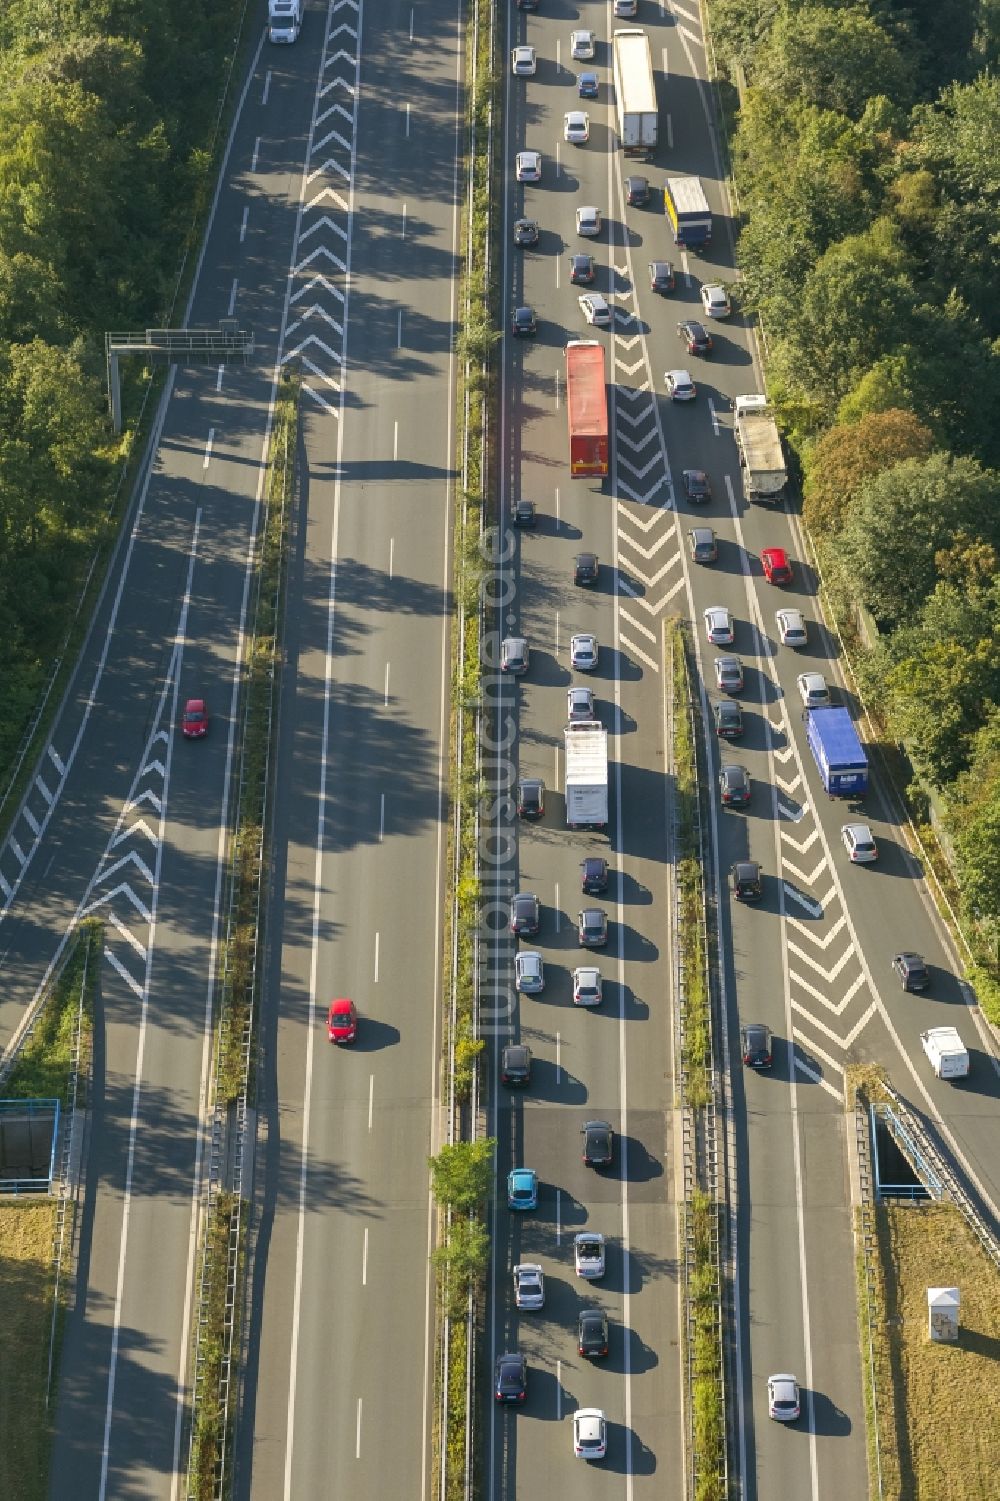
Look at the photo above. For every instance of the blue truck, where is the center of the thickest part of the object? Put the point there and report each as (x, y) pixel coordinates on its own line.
(837, 751)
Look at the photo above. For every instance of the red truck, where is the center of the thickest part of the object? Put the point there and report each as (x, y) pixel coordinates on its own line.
(587, 405)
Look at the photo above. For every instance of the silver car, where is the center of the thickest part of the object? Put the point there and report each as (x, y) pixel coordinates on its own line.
(514, 655)
(718, 625)
(728, 674)
(587, 989)
(679, 385)
(579, 704)
(791, 628)
(813, 690)
(529, 1285)
(582, 45)
(583, 652)
(529, 972)
(588, 220)
(528, 166)
(596, 309)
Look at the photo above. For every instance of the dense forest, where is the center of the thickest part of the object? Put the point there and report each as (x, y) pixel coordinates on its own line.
(867, 156)
(106, 110)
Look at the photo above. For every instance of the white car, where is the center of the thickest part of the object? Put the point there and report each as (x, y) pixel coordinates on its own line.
(596, 309)
(576, 127)
(529, 1285)
(588, 221)
(515, 655)
(528, 166)
(579, 705)
(859, 842)
(523, 62)
(783, 1398)
(679, 385)
(718, 625)
(715, 301)
(583, 652)
(791, 628)
(590, 1433)
(582, 45)
(813, 690)
(588, 1254)
(529, 972)
(587, 989)
(626, 9)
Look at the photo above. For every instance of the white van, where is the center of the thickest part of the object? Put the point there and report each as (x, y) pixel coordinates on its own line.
(949, 1057)
(284, 20)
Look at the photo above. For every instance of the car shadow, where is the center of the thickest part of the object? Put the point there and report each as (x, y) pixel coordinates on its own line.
(556, 1085)
(374, 1035)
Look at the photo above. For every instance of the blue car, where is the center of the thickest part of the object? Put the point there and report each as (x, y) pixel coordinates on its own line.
(586, 85)
(522, 1188)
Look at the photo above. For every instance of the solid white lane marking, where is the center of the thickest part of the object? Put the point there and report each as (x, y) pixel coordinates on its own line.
(232, 294)
(208, 448)
(558, 520)
(364, 1261)
(558, 1058)
(376, 958)
(730, 493)
(403, 232)
(559, 1389)
(267, 87)
(218, 377)
(243, 224)
(371, 1099)
(686, 269)
(555, 766)
(399, 329)
(357, 1445)
(558, 1216)
(411, 23)
(407, 119)
(256, 153)
(558, 909)
(392, 548)
(395, 441)
(55, 758)
(386, 700)
(381, 818)
(714, 416)
(557, 634)
(557, 273)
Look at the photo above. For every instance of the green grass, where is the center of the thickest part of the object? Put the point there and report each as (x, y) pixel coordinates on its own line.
(42, 1070)
(697, 1046)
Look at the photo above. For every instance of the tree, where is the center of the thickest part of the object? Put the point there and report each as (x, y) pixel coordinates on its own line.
(851, 453)
(977, 849)
(902, 518)
(464, 1259)
(836, 58)
(462, 1173)
(937, 699)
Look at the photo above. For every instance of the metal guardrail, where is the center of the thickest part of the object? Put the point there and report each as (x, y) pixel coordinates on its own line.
(868, 1245)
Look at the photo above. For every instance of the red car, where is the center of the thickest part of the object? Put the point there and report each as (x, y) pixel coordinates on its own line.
(195, 721)
(777, 569)
(342, 1021)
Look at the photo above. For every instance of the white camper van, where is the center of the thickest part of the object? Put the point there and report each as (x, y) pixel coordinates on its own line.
(284, 20)
(949, 1058)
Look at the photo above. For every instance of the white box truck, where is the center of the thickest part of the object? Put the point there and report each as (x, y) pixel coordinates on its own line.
(762, 459)
(635, 94)
(586, 775)
(948, 1055)
(284, 20)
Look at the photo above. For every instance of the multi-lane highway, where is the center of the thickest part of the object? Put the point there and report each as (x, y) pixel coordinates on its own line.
(810, 960)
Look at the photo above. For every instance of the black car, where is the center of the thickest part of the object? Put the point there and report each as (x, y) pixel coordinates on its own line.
(747, 885)
(531, 797)
(524, 914)
(510, 1382)
(525, 231)
(527, 4)
(515, 1064)
(592, 927)
(734, 786)
(592, 1332)
(661, 276)
(697, 486)
(637, 191)
(912, 971)
(755, 1045)
(728, 719)
(585, 568)
(581, 269)
(522, 322)
(524, 513)
(696, 336)
(594, 875)
(598, 1144)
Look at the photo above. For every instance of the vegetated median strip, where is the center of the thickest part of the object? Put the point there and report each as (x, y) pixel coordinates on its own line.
(220, 1298)
(53, 1063)
(462, 1254)
(707, 1457)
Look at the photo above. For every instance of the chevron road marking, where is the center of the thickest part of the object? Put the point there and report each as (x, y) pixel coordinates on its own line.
(116, 963)
(654, 579)
(796, 814)
(139, 827)
(628, 369)
(827, 974)
(816, 1076)
(624, 463)
(637, 652)
(644, 498)
(637, 625)
(315, 254)
(19, 854)
(803, 901)
(841, 1042)
(636, 444)
(317, 312)
(56, 761)
(837, 1007)
(44, 791)
(647, 552)
(806, 880)
(130, 859)
(802, 845)
(644, 524)
(32, 821)
(318, 280)
(127, 934)
(121, 890)
(626, 343)
(821, 943)
(634, 418)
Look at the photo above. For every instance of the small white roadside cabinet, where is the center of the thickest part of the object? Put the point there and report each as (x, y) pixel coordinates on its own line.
(942, 1312)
